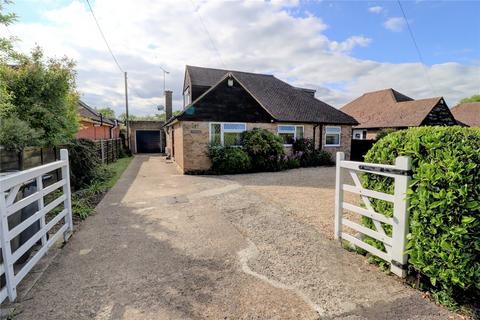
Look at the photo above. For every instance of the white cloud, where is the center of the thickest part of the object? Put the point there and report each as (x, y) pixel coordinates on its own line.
(375, 9)
(395, 24)
(254, 36)
(350, 43)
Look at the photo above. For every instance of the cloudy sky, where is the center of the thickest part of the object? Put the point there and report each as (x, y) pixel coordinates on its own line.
(340, 48)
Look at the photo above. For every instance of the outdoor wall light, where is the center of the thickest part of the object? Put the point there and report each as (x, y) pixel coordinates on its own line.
(230, 82)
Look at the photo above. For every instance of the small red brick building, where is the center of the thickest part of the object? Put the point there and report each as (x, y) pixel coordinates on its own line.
(94, 126)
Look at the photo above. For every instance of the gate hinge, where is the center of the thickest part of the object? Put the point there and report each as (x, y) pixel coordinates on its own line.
(399, 265)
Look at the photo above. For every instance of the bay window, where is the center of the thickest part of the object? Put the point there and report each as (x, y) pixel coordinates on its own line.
(290, 133)
(332, 136)
(226, 134)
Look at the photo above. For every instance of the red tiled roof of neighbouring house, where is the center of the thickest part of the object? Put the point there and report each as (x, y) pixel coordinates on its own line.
(389, 108)
(468, 113)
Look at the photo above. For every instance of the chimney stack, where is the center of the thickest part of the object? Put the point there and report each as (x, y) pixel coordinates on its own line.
(168, 104)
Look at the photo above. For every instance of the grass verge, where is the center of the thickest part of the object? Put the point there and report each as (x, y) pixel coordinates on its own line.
(85, 200)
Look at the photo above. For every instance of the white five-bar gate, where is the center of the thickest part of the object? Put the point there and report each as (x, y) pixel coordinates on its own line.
(395, 244)
(11, 204)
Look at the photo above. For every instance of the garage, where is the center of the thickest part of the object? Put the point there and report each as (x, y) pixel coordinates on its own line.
(148, 141)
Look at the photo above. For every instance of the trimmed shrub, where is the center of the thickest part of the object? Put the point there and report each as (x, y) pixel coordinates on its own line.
(309, 156)
(229, 159)
(84, 163)
(264, 148)
(444, 240)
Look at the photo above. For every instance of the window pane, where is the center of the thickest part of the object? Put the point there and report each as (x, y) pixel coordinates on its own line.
(232, 138)
(287, 138)
(332, 139)
(215, 133)
(286, 129)
(332, 130)
(234, 126)
(299, 132)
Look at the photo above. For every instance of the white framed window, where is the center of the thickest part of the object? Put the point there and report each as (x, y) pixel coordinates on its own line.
(226, 134)
(359, 134)
(290, 133)
(332, 136)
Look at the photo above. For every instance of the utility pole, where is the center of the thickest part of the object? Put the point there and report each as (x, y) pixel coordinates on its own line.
(126, 110)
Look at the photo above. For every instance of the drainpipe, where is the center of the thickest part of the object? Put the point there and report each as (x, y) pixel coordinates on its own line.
(321, 136)
(314, 135)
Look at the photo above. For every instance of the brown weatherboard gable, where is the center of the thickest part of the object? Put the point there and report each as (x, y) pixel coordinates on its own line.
(440, 115)
(226, 104)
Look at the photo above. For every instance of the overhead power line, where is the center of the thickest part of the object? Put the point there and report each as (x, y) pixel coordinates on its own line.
(208, 33)
(103, 36)
(420, 57)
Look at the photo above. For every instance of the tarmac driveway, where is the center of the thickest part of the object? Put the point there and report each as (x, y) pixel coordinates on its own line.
(171, 246)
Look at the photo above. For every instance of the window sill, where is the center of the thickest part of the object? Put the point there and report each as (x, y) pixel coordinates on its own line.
(288, 145)
(332, 145)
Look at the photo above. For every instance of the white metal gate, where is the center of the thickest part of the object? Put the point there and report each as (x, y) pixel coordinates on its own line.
(395, 245)
(10, 204)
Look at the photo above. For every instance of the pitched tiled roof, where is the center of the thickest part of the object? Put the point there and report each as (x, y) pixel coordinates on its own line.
(389, 109)
(284, 102)
(88, 112)
(468, 113)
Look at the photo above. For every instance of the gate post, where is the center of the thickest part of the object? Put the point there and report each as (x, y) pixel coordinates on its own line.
(338, 195)
(400, 218)
(67, 193)
(7, 250)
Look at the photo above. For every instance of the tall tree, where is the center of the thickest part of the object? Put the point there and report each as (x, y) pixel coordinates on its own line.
(106, 112)
(40, 97)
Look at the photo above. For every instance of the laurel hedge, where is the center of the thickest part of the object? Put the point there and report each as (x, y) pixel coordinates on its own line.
(444, 239)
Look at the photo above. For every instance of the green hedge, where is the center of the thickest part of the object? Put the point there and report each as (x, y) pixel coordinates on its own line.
(229, 159)
(444, 240)
(264, 148)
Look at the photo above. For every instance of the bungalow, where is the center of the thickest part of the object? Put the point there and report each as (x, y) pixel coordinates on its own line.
(467, 113)
(220, 104)
(389, 109)
(94, 126)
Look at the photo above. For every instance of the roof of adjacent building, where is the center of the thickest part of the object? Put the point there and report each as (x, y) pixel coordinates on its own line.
(389, 108)
(282, 101)
(468, 113)
(88, 112)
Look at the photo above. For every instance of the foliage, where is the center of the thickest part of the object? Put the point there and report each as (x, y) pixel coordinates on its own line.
(474, 98)
(6, 44)
(264, 148)
(291, 162)
(16, 134)
(444, 239)
(384, 132)
(309, 156)
(229, 159)
(42, 95)
(150, 117)
(107, 112)
(85, 200)
(84, 163)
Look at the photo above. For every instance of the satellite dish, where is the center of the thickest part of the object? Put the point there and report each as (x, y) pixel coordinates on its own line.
(160, 107)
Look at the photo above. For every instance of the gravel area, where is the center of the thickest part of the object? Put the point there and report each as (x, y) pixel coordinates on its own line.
(306, 193)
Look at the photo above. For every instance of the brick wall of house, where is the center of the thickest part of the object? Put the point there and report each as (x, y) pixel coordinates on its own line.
(191, 152)
(345, 142)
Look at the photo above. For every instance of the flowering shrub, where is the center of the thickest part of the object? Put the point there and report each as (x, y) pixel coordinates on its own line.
(309, 156)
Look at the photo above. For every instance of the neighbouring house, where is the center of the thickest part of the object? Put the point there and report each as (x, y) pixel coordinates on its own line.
(467, 113)
(94, 126)
(390, 109)
(220, 104)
